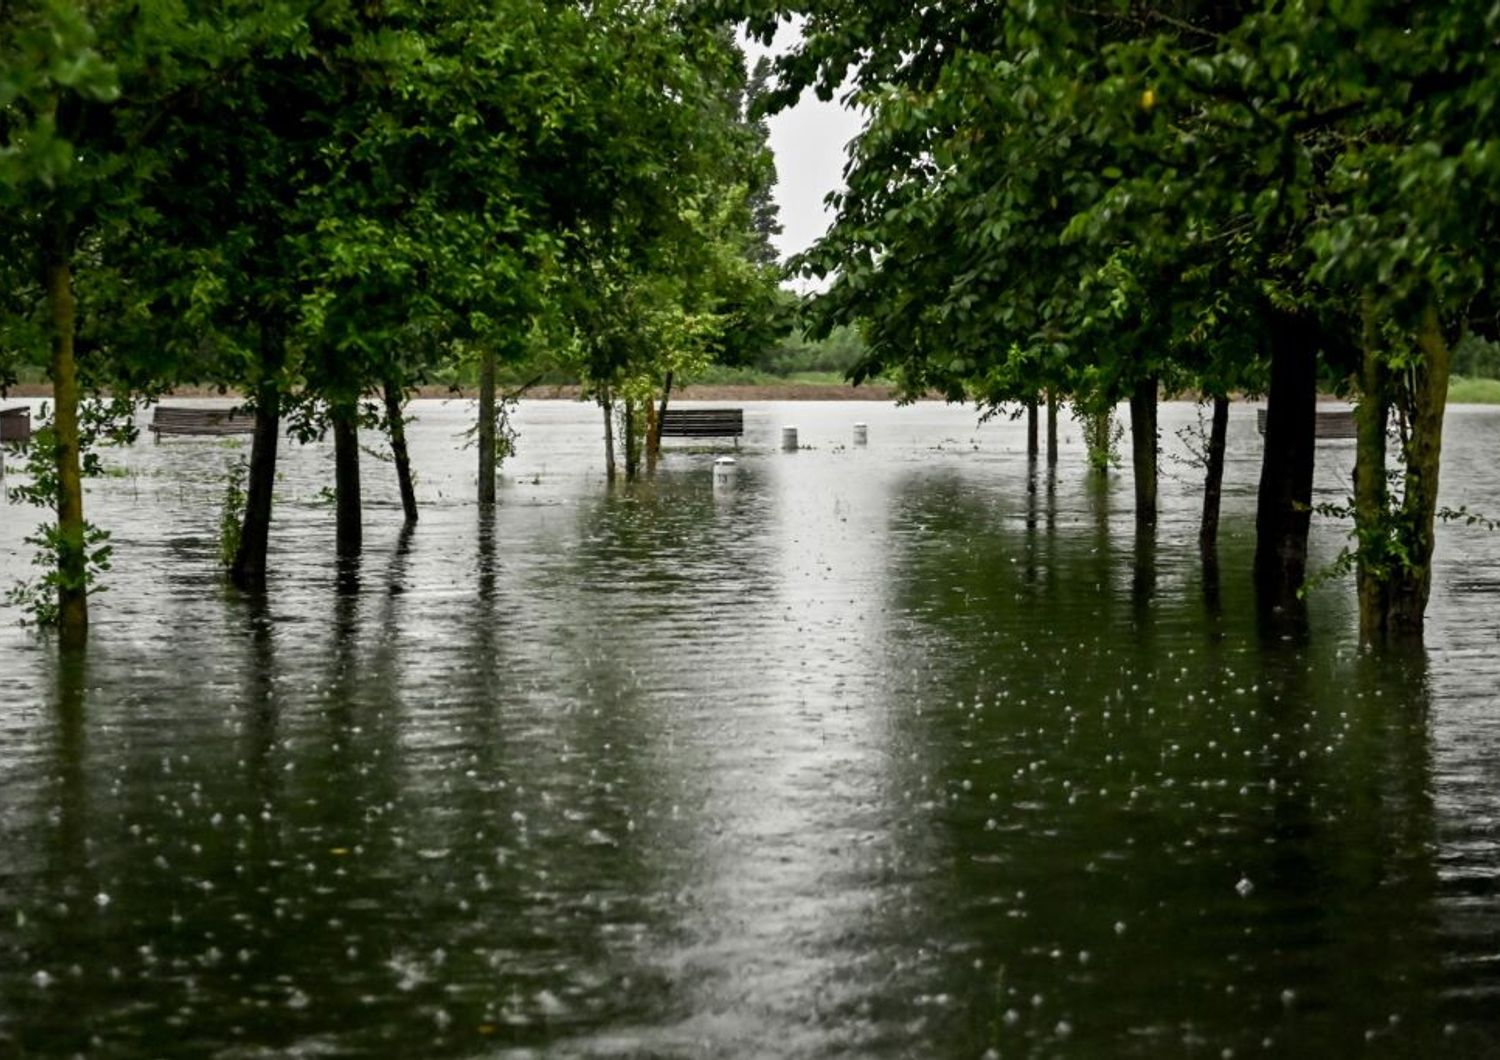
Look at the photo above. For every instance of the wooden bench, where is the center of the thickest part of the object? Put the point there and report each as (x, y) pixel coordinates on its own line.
(15, 424)
(201, 421)
(703, 423)
(1334, 423)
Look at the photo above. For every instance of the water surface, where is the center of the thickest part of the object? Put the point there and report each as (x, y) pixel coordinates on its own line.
(888, 751)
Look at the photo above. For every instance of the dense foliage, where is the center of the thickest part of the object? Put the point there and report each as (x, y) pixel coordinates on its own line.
(319, 205)
(1094, 201)
(322, 206)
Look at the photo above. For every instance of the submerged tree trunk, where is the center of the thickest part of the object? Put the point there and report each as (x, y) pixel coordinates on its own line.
(653, 446)
(1429, 401)
(649, 435)
(397, 421)
(1283, 509)
(1370, 417)
(1051, 429)
(1143, 446)
(1096, 431)
(248, 571)
(1032, 448)
(632, 442)
(609, 433)
(346, 479)
(1213, 479)
(72, 549)
(487, 424)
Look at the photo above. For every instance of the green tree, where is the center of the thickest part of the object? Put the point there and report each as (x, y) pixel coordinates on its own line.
(366, 202)
(233, 229)
(1098, 201)
(83, 90)
(1405, 105)
(765, 214)
(666, 271)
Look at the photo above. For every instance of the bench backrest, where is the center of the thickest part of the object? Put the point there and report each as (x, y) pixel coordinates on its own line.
(167, 420)
(1329, 423)
(15, 424)
(166, 413)
(703, 422)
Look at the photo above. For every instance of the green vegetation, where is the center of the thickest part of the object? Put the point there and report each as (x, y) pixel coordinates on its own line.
(793, 359)
(1465, 391)
(322, 206)
(232, 511)
(1101, 202)
(325, 205)
(838, 354)
(1476, 358)
(42, 598)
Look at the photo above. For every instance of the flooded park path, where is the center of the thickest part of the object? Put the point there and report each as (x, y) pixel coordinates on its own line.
(883, 751)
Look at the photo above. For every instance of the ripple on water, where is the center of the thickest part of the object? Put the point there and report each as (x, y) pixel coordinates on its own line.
(883, 751)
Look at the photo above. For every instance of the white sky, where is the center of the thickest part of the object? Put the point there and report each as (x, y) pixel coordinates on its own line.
(808, 141)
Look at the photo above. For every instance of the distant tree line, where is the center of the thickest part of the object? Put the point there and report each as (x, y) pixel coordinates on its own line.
(790, 353)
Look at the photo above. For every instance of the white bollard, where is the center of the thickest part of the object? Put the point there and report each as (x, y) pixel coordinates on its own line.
(789, 438)
(724, 471)
(861, 433)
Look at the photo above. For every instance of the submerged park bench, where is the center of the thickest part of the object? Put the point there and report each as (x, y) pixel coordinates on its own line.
(15, 424)
(15, 428)
(703, 423)
(1335, 423)
(201, 421)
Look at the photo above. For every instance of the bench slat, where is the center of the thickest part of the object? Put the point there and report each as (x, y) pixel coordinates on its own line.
(1333, 423)
(166, 420)
(703, 423)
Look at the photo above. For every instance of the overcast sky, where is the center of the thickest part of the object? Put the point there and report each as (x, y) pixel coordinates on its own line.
(808, 141)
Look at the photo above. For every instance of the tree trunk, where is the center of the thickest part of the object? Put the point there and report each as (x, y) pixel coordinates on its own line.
(1032, 448)
(1283, 509)
(248, 572)
(72, 550)
(1213, 480)
(1213, 597)
(1051, 429)
(661, 414)
(346, 479)
(487, 424)
(649, 407)
(1429, 401)
(1370, 499)
(632, 442)
(1143, 445)
(609, 433)
(393, 415)
(1096, 432)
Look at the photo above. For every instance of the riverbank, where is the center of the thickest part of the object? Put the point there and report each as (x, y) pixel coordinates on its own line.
(1462, 392)
(736, 392)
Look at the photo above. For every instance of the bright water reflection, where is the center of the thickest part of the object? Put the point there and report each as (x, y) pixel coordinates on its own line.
(879, 752)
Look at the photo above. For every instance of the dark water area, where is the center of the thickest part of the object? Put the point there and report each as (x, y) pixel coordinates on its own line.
(893, 751)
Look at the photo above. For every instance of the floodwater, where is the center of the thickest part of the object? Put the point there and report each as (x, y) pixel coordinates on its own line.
(889, 751)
